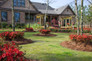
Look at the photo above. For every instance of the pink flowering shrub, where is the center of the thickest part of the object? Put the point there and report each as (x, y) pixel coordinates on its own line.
(11, 35)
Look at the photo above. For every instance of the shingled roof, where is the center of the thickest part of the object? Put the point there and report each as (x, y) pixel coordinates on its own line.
(2, 2)
(42, 8)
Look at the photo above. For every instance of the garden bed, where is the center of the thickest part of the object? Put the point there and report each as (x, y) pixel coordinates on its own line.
(21, 41)
(29, 31)
(77, 46)
(51, 35)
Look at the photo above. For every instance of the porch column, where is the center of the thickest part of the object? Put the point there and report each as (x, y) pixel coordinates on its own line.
(66, 22)
(40, 21)
(61, 21)
(69, 21)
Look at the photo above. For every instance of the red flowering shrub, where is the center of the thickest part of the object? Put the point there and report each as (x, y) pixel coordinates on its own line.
(11, 35)
(29, 29)
(44, 31)
(10, 52)
(68, 23)
(81, 38)
(85, 30)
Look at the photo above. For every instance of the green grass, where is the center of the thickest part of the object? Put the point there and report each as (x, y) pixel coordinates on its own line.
(49, 49)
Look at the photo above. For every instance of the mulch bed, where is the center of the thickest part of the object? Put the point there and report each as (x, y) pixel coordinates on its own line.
(22, 41)
(28, 31)
(51, 35)
(77, 46)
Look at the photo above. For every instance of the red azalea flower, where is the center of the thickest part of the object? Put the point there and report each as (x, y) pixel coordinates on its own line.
(3, 55)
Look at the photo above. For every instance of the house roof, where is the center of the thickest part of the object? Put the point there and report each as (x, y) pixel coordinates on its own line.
(42, 8)
(61, 9)
(2, 2)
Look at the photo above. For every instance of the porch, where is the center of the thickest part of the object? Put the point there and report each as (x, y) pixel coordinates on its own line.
(57, 21)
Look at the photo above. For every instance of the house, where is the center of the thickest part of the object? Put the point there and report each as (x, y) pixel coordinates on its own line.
(22, 9)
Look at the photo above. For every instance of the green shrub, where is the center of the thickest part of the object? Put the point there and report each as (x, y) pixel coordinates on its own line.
(4, 24)
(20, 25)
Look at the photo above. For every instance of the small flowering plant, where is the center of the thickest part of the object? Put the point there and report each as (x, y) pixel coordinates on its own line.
(81, 38)
(10, 52)
(11, 35)
(30, 29)
(44, 31)
(68, 24)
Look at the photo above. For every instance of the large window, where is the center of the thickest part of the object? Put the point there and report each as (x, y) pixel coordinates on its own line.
(17, 16)
(19, 3)
(4, 16)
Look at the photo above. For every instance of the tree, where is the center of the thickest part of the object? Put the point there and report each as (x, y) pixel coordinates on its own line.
(77, 19)
(89, 15)
(82, 17)
(90, 1)
(13, 21)
(46, 12)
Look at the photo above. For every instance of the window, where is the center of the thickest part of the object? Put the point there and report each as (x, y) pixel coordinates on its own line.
(19, 3)
(67, 20)
(4, 16)
(17, 16)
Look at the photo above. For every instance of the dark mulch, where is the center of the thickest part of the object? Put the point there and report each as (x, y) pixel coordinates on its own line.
(51, 35)
(28, 31)
(77, 46)
(22, 41)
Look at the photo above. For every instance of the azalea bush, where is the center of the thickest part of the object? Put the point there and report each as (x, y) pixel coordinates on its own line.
(11, 35)
(85, 30)
(44, 31)
(10, 52)
(81, 38)
(29, 29)
(54, 29)
(60, 30)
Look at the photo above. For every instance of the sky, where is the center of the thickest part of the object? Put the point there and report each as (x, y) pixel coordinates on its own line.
(56, 3)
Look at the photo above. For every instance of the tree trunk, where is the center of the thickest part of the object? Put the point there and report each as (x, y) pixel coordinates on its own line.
(81, 17)
(45, 26)
(78, 22)
(13, 21)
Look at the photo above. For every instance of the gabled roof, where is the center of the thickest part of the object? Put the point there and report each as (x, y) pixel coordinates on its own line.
(61, 9)
(2, 2)
(42, 8)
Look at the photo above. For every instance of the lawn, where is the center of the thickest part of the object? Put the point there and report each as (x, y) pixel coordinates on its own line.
(49, 49)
